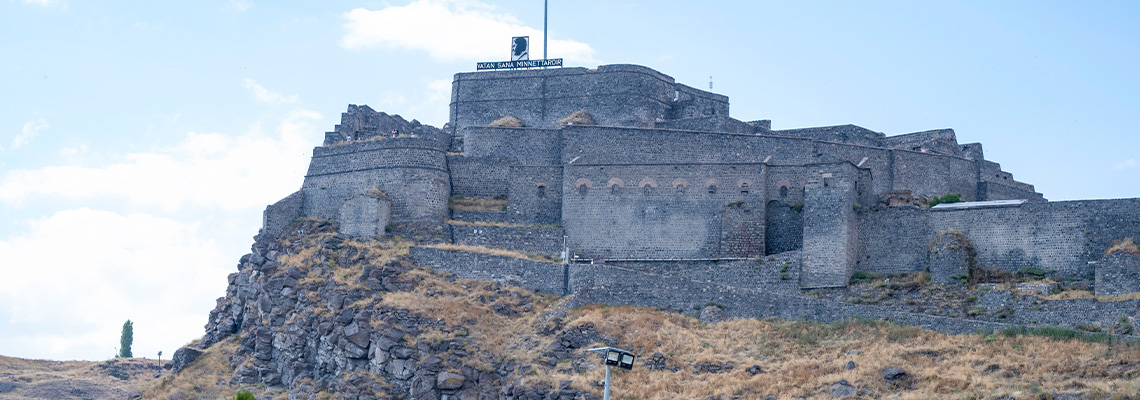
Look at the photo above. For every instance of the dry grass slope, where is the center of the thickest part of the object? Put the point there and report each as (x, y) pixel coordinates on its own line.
(799, 359)
(46, 379)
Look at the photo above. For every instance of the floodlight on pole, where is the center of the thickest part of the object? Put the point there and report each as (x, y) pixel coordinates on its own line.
(614, 356)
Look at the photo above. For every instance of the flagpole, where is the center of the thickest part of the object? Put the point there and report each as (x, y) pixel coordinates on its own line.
(545, 14)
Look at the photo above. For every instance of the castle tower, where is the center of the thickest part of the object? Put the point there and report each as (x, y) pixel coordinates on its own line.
(831, 245)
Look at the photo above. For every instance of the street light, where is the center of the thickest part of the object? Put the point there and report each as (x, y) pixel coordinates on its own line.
(614, 356)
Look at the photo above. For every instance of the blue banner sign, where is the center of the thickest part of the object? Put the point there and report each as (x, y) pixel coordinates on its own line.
(553, 62)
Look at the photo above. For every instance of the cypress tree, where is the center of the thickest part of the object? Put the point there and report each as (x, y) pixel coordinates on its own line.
(126, 339)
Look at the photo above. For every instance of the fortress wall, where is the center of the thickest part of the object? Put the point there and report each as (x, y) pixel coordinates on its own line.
(784, 223)
(692, 103)
(535, 195)
(1062, 236)
(663, 221)
(417, 194)
(785, 228)
(849, 134)
(616, 95)
(412, 172)
(279, 215)
(924, 173)
(371, 158)
(973, 151)
(1029, 310)
(792, 177)
(775, 274)
(989, 171)
(480, 216)
(483, 177)
(525, 146)
(998, 191)
(586, 145)
(606, 284)
(878, 161)
(895, 240)
(535, 275)
(436, 144)
(934, 175)
(716, 123)
(529, 239)
(939, 141)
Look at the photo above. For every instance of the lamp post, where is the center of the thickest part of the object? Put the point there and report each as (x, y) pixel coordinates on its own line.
(614, 356)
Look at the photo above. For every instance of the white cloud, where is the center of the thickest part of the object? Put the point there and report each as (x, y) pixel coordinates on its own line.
(434, 109)
(1128, 164)
(208, 170)
(239, 5)
(266, 96)
(75, 276)
(451, 30)
(30, 131)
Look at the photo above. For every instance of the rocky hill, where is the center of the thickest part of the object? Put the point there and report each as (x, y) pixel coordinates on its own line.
(315, 315)
(118, 378)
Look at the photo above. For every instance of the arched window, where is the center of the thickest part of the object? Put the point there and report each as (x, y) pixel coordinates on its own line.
(681, 189)
(647, 189)
(583, 189)
(541, 191)
(712, 189)
(783, 191)
(744, 188)
(614, 189)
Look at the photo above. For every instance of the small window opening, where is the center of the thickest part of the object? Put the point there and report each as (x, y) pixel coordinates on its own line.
(613, 189)
(541, 191)
(712, 189)
(744, 188)
(582, 189)
(647, 190)
(783, 191)
(681, 189)
(826, 182)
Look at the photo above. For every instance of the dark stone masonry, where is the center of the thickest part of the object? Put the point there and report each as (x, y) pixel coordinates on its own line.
(668, 201)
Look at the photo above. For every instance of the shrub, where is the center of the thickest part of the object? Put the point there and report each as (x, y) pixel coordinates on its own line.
(244, 395)
(1124, 246)
(508, 122)
(859, 278)
(580, 117)
(977, 311)
(1087, 327)
(1031, 273)
(945, 199)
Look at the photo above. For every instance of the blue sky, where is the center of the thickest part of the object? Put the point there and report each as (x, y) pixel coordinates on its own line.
(140, 141)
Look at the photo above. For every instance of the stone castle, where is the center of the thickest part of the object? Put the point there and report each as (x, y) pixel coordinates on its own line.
(624, 171)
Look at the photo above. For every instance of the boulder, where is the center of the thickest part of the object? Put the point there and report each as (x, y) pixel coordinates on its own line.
(894, 373)
(6, 387)
(712, 315)
(449, 381)
(842, 389)
(183, 357)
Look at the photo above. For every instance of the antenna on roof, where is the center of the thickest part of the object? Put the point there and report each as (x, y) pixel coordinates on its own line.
(710, 82)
